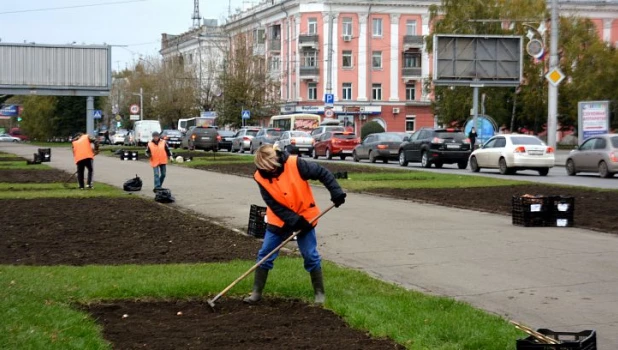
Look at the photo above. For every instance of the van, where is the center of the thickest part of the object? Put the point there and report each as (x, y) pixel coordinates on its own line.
(144, 129)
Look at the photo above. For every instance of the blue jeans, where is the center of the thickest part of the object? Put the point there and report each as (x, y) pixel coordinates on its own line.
(307, 243)
(159, 175)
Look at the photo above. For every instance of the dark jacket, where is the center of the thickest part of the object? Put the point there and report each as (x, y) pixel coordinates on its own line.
(308, 171)
(167, 149)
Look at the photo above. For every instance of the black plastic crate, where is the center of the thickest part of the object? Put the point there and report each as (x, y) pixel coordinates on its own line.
(561, 211)
(45, 154)
(129, 155)
(561, 219)
(530, 211)
(584, 340)
(257, 225)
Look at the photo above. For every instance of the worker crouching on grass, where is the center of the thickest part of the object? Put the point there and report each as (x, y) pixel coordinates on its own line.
(158, 152)
(283, 182)
(83, 155)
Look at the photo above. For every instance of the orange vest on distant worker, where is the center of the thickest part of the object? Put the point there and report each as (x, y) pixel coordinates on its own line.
(82, 149)
(291, 191)
(158, 156)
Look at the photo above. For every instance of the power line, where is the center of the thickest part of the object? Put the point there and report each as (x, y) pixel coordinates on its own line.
(72, 7)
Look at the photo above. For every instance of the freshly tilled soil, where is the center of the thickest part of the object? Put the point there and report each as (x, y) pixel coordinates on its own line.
(272, 324)
(33, 175)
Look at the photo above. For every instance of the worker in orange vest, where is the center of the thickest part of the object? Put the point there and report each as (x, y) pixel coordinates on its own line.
(83, 155)
(158, 152)
(284, 186)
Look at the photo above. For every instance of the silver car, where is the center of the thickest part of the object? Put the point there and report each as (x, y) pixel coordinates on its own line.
(598, 154)
(8, 138)
(266, 136)
(242, 139)
(296, 142)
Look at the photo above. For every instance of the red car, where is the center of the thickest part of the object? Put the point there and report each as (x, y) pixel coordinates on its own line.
(335, 144)
(16, 132)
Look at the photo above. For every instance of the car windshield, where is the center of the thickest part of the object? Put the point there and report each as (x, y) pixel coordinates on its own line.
(299, 134)
(252, 132)
(457, 136)
(391, 138)
(273, 133)
(519, 140)
(174, 133)
(344, 136)
(335, 128)
(226, 133)
(614, 140)
(204, 130)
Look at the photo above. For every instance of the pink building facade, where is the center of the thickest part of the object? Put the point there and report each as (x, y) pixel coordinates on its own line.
(378, 62)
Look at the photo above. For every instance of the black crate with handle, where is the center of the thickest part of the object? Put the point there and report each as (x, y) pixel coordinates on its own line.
(584, 340)
(530, 211)
(257, 222)
(561, 211)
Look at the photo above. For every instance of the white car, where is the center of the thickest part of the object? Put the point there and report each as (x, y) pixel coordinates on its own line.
(8, 138)
(119, 136)
(510, 153)
(296, 142)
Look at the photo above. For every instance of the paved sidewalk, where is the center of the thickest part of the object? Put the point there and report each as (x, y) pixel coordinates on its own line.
(562, 279)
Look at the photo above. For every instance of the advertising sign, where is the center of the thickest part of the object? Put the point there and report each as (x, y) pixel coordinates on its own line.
(9, 111)
(593, 119)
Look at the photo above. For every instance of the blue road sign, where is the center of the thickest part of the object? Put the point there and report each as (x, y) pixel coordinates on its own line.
(246, 114)
(329, 99)
(98, 114)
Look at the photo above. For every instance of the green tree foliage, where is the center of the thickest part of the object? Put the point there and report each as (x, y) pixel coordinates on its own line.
(371, 128)
(591, 66)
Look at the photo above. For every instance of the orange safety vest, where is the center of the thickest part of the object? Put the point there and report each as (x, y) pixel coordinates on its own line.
(158, 156)
(82, 149)
(291, 191)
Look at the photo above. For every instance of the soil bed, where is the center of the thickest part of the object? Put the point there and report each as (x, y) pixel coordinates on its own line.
(247, 169)
(107, 231)
(593, 209)
(36, 175)
(273, 324)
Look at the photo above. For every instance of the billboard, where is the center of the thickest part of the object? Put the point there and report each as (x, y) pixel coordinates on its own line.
(482, 60)
(70, 70)
(593, 119)
(6, 112)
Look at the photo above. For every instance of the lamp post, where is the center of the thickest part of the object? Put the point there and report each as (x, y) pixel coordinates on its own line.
(141, 103)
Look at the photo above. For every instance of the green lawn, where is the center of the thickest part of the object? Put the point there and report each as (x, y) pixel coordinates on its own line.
(49, 144)
(21, 165)
(56, 190)
(37, 303)
(219, 159)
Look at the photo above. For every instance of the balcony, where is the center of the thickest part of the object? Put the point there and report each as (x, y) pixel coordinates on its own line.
(413, 41)
(309, 72)
(411, 72)
(274, 45)
(308, 40)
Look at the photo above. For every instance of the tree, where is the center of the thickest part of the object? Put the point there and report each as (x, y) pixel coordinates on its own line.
(372, 127)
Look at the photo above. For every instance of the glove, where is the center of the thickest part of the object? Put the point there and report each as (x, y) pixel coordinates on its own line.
(171, 158)
(339, 200)
(302, 225)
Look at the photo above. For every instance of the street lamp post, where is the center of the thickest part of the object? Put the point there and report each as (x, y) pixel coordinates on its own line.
(552, 105)
(141, 103)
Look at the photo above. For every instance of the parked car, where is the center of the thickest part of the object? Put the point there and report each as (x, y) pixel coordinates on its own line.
(173, 137)
(16, 132)
(319, 131)
(227, 138)
(266, 136)
(511, 153)
(296, 142)
(119, 136)
(335, 144)
(383, 146)
(9, 138)
(435, 146)
(101, 138)
(143, 130)
(242, 139)
(598, 154)
(199, 137)
(129, 138)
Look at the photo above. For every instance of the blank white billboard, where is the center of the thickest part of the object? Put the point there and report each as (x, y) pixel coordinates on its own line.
(75, 70)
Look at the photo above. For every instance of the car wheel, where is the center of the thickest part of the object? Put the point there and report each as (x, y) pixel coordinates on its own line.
(329, 156)
(425, 163)
(402, 159)
(504, 169)
(372, 158)
(438, 165)
(14, 141)
(314, 154)
(544, 171)
(570, 168)
(474, 165)
(604, 171)
(462, 165)
(385, 161)
(355, 157)
(343, 157)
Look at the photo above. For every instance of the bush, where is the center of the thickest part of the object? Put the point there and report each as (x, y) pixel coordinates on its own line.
(371, 128)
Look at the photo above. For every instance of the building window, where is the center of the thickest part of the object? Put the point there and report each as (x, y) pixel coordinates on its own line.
(410, 123)
(347, 91)
(347, 26)
(313, 26)
(376, 92)
(411, 27)
(275, 63)
(410, 92)
(312, 91)
(411, 59)
(190, 58)
(376, 59)
(310, 59)
(377, 26)
(259, 36)
(347, 59)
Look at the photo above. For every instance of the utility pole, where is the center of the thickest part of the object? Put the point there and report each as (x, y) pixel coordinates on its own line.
(552, 105)
(141, 103)
(329, 68)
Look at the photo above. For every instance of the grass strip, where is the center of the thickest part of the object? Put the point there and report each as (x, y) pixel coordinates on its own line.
(21, 165)
(55, 190)
(36, 303)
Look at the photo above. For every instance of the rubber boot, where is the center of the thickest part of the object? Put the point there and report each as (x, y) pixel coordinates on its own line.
(258, 286)
(317, 280)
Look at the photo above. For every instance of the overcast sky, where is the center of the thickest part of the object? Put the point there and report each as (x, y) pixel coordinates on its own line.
(137, 23)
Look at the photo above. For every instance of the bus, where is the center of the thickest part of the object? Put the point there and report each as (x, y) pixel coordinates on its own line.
(291, 122)
(185, 124)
